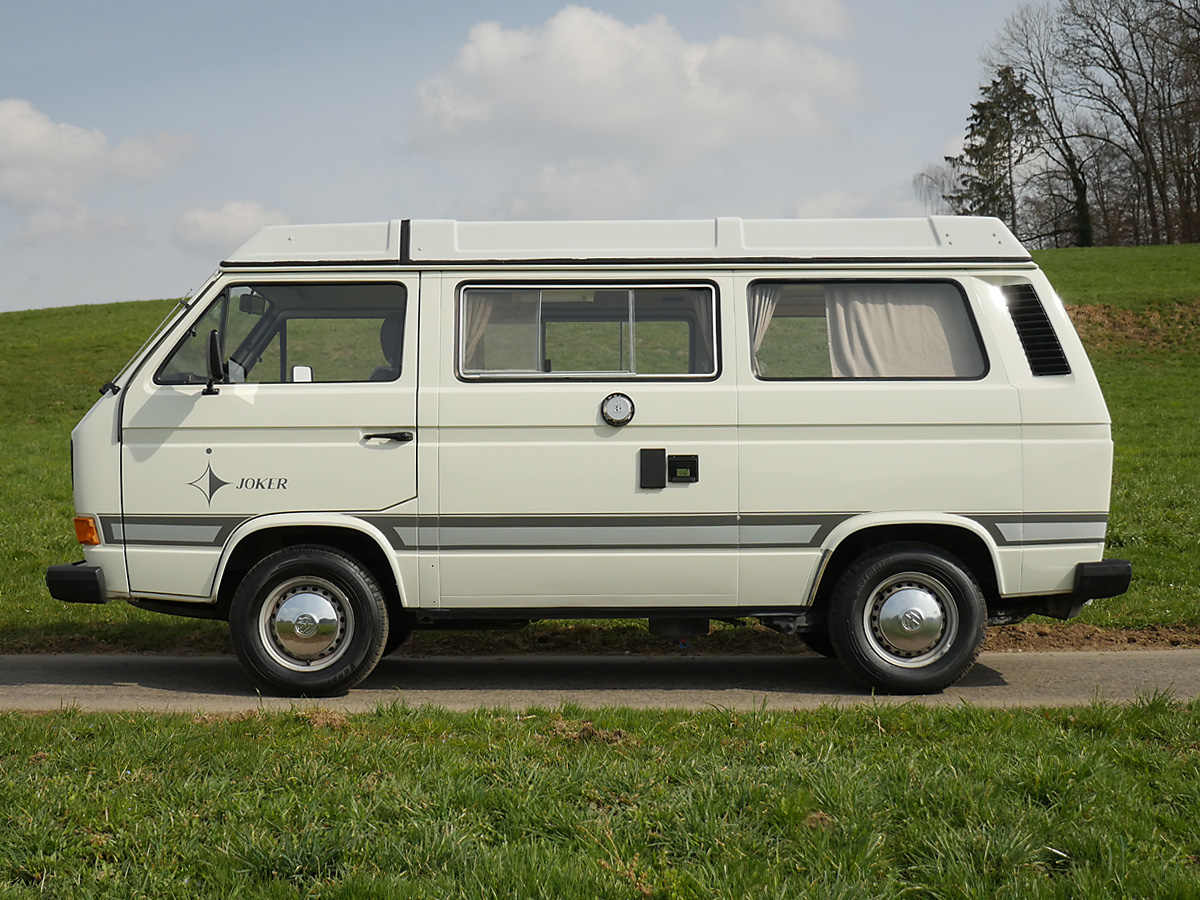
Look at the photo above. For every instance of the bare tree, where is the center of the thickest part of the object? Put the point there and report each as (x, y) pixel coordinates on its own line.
(933, 185)
(1116, 87)
(1031, 43)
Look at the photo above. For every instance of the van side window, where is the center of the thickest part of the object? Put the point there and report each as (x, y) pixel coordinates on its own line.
(862, 329)
(280, 333)
(586, 331)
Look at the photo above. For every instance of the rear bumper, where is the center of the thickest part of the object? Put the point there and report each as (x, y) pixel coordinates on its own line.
(1106, 578)
(77, 583)
(1093, 580)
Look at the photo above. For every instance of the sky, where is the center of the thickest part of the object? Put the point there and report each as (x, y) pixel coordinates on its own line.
(142, 142)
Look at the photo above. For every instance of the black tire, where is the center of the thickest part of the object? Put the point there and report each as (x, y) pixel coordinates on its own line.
(907, 618)
(308, 620)
(819, 641)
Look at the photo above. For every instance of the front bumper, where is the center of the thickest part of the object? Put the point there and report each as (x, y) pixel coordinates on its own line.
(77, 583)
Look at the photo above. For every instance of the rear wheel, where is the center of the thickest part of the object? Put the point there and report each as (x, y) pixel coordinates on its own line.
(308, 620)
(907, 618)
(398, 636)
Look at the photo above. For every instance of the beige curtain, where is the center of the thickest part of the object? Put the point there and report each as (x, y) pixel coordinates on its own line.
(702, 305)
(900, 331)
(763, 300)
(477, 310)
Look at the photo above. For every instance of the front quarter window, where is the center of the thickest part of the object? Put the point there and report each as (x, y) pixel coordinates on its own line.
(186, 365)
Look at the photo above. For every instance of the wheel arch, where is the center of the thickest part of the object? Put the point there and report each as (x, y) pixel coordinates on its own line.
(354, 537)
(963, 538)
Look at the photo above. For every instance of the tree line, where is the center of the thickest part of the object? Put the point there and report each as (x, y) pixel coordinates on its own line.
(1088, 132)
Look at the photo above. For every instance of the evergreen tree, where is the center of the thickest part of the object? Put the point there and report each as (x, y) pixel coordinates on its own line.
(1002, 134)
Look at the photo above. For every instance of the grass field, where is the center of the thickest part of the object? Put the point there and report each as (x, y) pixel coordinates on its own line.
(864, 802)
(1092, 802)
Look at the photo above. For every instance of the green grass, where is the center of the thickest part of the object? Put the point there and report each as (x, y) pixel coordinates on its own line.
(1097, 801)
(1155, 516)
(892, 801)
(54, 361)
(1140, 317)
(1128, 277)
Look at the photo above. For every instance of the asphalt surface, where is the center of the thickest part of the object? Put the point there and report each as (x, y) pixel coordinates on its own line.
(217, 684)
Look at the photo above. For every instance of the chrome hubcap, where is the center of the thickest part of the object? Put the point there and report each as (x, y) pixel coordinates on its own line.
(306, 624)
(911, 619)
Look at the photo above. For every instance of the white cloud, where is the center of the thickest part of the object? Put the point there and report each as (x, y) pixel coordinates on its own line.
(578, 189)
(827, 19)
(74, 221)
(225, 228)
(585, 84)
(45, 166)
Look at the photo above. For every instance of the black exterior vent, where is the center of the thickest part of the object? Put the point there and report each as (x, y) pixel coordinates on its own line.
(1042, 349)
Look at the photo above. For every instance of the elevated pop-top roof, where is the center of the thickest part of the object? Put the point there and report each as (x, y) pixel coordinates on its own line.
(937, 238)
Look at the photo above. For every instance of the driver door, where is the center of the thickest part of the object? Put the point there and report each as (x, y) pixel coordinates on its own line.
(317, 414)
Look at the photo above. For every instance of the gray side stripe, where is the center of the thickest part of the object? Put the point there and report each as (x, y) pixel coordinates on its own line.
(753, 531)
(177, 531)
(1046, 528)
(605, 532)
(575, 536)
(167, 534)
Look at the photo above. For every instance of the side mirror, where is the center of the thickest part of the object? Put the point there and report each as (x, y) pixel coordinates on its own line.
(216, 363)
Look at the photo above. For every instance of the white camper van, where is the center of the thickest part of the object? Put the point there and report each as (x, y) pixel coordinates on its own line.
(881, 436)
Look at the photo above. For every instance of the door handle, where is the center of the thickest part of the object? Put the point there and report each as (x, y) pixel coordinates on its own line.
(402, 436)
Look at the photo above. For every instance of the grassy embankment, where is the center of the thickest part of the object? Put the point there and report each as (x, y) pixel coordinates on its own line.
(1138, 311)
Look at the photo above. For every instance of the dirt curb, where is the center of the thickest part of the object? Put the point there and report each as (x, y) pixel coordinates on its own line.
(1031, 636)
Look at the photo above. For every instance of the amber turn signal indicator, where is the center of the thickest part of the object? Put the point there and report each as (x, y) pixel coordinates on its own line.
(86, 531)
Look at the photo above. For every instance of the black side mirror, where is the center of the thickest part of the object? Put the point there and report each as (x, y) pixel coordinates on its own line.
(215, 361)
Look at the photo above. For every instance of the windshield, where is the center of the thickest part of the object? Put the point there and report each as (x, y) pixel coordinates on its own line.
(176, 311)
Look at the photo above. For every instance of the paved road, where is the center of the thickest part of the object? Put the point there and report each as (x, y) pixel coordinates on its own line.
(217, 684)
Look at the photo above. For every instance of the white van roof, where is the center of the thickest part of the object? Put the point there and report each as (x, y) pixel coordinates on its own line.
(446, 241)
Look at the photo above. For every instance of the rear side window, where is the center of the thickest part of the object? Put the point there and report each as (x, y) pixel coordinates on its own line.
(288, 333)
(863, 330)
(598, 332)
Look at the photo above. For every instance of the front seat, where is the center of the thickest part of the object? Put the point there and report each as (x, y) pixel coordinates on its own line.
(391, 340)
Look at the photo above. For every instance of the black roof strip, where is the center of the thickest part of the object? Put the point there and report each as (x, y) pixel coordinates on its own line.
(691, 262)
(405, 241)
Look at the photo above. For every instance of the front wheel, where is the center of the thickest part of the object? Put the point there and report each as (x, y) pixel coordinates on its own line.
(907, 618)
(308, 620)
(818, 641)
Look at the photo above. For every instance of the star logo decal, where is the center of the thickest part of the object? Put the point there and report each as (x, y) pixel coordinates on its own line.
(208, 483)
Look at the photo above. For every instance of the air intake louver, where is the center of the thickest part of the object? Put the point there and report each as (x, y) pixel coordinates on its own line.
(1044, 352)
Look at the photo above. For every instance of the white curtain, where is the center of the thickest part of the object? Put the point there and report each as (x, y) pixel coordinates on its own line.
(702, 305)
(477, 310)
(763, 299)
(900, 331)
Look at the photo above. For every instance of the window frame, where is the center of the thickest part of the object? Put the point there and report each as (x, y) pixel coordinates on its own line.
(632, 285)
(963, 294)
(279, 327)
